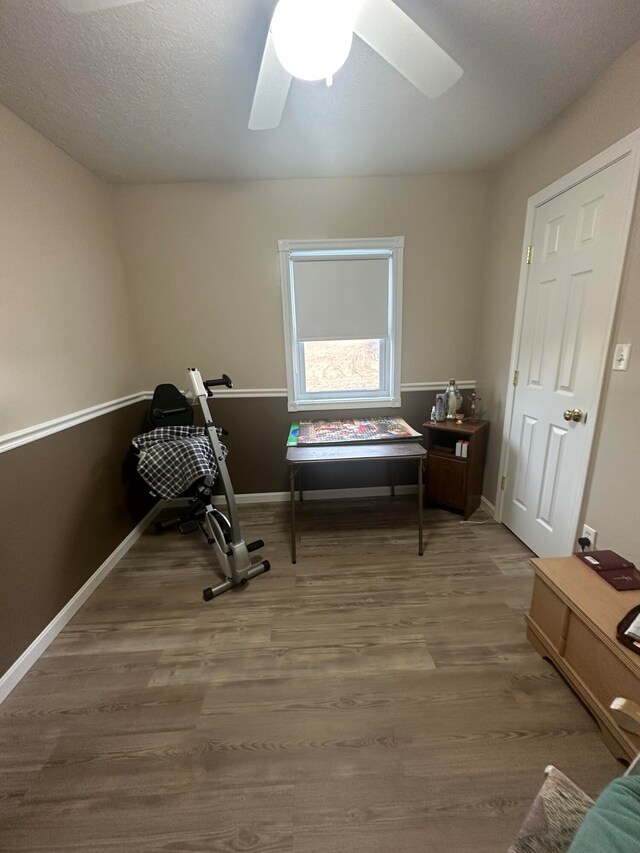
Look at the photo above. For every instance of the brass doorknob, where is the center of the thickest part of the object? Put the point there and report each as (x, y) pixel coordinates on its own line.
(573, 415)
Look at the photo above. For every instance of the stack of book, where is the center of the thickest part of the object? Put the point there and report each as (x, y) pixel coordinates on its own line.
(612, 568)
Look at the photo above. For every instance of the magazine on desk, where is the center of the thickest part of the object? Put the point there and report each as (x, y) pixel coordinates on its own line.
(612, 568)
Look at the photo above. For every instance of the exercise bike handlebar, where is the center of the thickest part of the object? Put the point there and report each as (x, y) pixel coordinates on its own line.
(224, 380)
(165, 413)
(199, 389)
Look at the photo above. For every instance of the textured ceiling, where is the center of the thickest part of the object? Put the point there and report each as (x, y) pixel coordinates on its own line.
(161, 90)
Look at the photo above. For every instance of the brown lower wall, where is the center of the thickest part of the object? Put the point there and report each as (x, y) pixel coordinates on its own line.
(66, 502)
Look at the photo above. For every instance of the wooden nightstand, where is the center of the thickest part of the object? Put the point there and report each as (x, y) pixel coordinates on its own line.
(452, 481)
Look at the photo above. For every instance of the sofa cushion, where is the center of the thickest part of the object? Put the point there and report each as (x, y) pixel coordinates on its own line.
(613, 824)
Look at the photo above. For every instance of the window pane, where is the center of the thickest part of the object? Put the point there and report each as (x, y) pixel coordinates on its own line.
(342, 365)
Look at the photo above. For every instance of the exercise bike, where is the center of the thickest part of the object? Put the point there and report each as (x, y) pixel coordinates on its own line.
(222, 532)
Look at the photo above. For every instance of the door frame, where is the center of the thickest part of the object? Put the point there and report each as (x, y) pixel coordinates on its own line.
(629, 146)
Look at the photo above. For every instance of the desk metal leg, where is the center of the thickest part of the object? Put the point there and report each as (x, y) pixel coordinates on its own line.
(420, 543)
(292, 481)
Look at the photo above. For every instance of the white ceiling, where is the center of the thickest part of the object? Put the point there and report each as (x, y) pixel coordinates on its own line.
(162, 90)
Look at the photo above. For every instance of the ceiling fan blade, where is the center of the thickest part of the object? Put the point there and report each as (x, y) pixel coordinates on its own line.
(80, 7)
(399, 40)
(271, 93)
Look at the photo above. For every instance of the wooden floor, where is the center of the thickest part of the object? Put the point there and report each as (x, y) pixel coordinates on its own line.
(366, 700)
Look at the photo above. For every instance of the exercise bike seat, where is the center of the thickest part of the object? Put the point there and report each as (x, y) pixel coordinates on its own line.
(169, 407)
(175, 458)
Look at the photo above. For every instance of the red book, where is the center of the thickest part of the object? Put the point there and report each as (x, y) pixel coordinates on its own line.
(614, 569)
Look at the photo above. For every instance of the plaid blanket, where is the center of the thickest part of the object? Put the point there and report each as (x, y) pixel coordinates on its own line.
(170, 459)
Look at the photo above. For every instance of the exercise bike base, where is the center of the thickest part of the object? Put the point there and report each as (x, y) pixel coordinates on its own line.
(212, 591)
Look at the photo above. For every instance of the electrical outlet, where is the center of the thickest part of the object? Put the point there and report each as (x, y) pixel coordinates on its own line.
(590, 534)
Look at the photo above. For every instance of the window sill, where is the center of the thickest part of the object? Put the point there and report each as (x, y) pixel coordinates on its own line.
(334, 405)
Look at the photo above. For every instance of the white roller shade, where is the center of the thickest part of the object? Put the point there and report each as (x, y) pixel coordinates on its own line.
(341, 299)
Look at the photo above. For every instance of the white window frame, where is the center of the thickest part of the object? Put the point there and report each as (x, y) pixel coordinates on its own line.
(390, 352)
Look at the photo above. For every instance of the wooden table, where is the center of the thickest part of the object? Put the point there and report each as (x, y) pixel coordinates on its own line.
(572, 622)
(297, 457)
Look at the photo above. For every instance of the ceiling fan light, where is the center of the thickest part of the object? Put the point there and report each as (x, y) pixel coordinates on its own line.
(312, 38)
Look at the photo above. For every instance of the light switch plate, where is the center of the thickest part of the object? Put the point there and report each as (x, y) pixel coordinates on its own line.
(621, 357)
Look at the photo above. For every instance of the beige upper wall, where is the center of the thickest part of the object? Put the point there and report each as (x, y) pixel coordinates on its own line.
(203, 264)
(608, 111)
(66, 339)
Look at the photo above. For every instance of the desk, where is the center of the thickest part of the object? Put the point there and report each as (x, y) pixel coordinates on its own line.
(299, 456)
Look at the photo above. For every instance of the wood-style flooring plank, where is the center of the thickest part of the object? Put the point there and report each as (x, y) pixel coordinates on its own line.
(364, 700)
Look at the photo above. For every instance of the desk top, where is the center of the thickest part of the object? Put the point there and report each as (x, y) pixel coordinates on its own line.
(352, 452)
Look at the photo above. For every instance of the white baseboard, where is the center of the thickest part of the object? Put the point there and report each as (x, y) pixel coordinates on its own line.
(255, 498)
(19, 669)
(318, 494)
(488, 507)
(363, 492)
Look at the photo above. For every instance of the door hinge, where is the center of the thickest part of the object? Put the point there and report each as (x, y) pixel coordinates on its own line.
(529, 254)
(503, 483)
(516, 377)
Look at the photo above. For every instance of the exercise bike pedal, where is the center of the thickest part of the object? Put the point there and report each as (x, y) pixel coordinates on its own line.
(164, 524)
(189, 526)
(255, 546)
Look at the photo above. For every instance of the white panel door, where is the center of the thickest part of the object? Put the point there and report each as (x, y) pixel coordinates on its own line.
(571, 292)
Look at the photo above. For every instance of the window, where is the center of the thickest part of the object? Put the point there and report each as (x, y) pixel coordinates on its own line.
(342, 303)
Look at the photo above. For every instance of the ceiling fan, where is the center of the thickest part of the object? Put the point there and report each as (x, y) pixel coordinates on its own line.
(311, 40)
